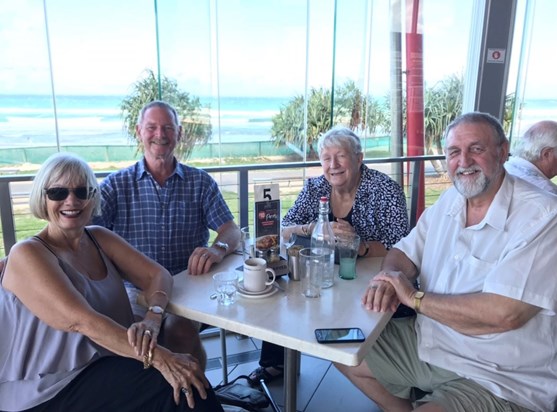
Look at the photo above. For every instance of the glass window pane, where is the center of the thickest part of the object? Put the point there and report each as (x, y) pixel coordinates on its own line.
(26, 108)
(98, 52)
(533, 82)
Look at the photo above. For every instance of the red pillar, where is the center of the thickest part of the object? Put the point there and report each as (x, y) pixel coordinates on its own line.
(415, 94)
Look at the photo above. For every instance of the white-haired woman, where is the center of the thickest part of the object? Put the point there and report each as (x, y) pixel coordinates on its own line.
(69, 341)
(361, 200)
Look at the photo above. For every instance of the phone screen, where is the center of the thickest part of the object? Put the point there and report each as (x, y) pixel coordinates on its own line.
(339, 335)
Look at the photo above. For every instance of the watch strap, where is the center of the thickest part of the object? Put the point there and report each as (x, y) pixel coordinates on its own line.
(418, 300)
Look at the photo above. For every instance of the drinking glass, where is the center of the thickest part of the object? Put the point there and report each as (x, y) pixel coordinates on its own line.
(312, 264)
(347, 246)
(226, 285)
(287, 241)
(247, 243)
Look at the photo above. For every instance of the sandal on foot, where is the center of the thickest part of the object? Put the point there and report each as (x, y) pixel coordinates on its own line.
(268, 374)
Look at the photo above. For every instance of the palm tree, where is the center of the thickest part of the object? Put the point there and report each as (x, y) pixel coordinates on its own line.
(288, 124)
(510, 101)
(442, 104)
(196, 125)
(350, 108)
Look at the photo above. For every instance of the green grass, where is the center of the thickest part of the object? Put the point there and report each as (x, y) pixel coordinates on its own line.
(432, 195)
(26, 225)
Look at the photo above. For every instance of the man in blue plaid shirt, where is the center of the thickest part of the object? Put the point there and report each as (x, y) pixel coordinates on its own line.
(165, 209)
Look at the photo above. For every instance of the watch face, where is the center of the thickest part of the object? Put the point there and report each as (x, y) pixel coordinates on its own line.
(157, 309)
(222, 245)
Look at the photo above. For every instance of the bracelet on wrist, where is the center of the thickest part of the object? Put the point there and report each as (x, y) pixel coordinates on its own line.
(148, 359)
(162, 292)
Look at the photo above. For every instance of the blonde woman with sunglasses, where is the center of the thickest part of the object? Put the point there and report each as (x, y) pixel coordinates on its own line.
(69, 341)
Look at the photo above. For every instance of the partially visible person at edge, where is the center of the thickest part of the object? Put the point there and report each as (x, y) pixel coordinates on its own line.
(484, 253)
(362, 201)
(534, 156)
(69, 341)
(165, 209)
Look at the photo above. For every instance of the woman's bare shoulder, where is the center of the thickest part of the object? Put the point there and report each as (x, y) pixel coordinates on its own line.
(27, 258)
(26, 247)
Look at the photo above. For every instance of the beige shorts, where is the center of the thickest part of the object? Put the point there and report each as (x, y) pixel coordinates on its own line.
(394, 362)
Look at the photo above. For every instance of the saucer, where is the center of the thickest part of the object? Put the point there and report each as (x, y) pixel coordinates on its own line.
(268, 291)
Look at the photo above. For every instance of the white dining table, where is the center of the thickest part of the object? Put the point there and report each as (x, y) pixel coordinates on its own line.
(286, 317)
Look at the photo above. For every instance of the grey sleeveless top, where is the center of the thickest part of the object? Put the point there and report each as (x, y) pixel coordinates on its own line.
(37, 361)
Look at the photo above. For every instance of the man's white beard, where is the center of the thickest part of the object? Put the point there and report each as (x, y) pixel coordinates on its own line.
(468, 187)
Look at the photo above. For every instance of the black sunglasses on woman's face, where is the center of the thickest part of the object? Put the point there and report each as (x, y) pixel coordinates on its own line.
(61, 193)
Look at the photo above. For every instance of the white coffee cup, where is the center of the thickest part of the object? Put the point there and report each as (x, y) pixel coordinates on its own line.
(257, 276)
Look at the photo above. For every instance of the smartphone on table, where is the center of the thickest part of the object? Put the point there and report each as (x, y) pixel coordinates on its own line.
(339, 335)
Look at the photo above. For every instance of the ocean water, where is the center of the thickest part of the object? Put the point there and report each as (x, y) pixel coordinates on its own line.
(27, 121)
(534, 110)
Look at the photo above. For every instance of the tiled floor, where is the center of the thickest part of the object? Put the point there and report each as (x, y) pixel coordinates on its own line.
(321, 388)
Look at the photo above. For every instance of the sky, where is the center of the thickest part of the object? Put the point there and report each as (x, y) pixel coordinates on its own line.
(259, 47)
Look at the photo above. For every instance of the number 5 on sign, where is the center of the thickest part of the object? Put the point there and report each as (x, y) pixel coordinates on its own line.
(264, 193)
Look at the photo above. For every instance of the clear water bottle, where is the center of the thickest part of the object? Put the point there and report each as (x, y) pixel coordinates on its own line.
(323, 241)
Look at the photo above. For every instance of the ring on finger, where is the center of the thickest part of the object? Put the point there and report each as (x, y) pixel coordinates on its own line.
(185, 391)
(374, 286)
(148, 333)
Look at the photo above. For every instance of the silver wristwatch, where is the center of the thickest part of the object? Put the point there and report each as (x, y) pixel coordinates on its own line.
(222, 245)
(157, 310)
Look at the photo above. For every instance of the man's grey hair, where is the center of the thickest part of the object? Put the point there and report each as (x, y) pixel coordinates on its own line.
(479, 117)
(161, 104)
(538, 136)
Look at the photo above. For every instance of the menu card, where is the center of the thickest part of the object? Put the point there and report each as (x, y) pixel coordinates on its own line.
(267, 213)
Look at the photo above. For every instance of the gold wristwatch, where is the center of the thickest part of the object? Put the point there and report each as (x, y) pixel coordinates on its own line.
(418, 300)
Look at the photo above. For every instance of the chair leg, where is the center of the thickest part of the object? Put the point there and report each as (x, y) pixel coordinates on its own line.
(268, 393)
(224, 356)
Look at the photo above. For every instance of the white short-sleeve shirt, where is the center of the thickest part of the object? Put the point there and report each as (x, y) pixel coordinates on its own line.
(511, 252)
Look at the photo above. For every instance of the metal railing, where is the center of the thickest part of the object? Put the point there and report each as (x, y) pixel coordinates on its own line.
(407, 175)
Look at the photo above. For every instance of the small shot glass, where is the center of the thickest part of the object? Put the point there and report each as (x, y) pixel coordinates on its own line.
(226, 286)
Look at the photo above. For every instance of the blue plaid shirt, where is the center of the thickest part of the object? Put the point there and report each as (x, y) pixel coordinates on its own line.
(164, 222)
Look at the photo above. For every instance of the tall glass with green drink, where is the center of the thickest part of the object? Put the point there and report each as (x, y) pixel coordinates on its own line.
(347, 246)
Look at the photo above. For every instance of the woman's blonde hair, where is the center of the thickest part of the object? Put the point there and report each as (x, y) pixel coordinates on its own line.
(62, 166)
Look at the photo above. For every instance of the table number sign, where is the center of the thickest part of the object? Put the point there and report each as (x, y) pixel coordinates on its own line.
(267, 226)
(267, 210)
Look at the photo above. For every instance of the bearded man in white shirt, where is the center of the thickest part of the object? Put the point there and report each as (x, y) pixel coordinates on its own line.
(484, 255)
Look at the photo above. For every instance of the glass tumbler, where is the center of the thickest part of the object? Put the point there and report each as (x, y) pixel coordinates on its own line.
(226, 285)
(347, 247)
(247, 243)
(312, 264)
